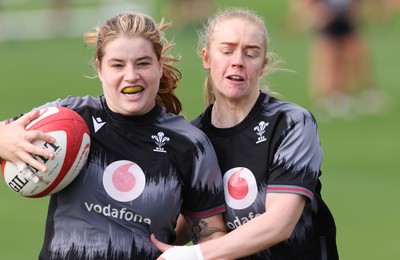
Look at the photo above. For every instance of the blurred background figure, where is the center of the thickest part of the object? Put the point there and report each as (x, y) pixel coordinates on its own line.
(341, 75)
(188, 13)
(382, 11)
(60, 16)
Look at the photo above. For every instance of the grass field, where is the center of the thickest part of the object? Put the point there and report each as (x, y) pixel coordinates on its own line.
(357, 152)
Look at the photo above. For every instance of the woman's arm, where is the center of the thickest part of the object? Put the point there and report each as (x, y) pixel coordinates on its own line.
(182, 231)
(270, 228)
(202, 230)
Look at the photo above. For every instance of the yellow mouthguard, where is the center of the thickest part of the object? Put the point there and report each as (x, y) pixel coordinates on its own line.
(132, 90)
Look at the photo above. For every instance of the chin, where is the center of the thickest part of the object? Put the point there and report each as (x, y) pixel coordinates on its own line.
(137, 111)
(234, 95)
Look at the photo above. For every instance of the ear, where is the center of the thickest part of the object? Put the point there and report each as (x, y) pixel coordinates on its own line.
(161, 67)
(264, 66)
(98, 69)
(205, 58)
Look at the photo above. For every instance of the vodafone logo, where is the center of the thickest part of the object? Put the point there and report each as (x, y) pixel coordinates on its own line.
(240, 188)
(124, 181)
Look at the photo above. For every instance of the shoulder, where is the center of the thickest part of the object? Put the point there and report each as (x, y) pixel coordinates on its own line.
(197, 121)
(182, 126)
(76, 103)
(291, 112)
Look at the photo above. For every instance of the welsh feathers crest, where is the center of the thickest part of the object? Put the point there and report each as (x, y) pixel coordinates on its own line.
(160, 140)
(260, 131)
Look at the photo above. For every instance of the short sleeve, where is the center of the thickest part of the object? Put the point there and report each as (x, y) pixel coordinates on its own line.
(297, 159)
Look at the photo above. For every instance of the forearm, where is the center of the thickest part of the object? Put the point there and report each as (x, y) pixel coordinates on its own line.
(2, 125)
(264, 231)
(261, 234)
(214, 235)
(202, 230)
(182, 231)
(232, 246)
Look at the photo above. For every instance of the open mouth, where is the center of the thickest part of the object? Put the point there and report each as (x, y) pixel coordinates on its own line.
(135, 90)
(235, 78)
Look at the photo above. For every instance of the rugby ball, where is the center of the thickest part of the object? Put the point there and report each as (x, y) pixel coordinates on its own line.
(71, 150)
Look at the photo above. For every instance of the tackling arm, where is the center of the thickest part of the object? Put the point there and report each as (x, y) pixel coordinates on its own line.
(270, 228)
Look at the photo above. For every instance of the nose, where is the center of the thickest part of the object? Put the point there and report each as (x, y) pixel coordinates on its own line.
(237, 59)
(131, 75)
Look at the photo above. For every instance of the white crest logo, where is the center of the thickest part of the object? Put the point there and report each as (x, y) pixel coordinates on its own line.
(260, 131)
(161, 139)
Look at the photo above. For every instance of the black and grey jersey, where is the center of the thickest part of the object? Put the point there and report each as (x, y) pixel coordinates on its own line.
(275, 149)
(142, 171)
(339, 6)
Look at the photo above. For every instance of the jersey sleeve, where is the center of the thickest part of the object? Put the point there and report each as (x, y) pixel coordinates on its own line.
(204, 196)
(74, 103)
(297, 159)
(55, 103)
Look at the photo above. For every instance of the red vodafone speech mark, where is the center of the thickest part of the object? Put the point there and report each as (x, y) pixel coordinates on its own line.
(122, 179)
(238, 187)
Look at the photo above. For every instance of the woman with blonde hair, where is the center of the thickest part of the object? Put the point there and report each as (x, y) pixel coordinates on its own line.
(268, 150)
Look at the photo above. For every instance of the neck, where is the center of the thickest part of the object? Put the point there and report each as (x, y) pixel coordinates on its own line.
(226, 113)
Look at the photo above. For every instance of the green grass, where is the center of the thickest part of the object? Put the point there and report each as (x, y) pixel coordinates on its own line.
(360, 168)
(39, 5)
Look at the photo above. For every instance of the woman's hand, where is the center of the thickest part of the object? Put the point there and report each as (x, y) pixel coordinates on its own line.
(16, 143)
(160, 245)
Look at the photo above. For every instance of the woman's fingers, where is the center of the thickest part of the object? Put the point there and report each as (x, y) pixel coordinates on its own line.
(160, 245)
(18, 144)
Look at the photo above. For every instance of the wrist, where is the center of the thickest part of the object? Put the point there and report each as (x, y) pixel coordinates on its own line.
(183, 253)
(198, 252)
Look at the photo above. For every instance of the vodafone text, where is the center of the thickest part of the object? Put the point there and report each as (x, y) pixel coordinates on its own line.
(237, 222)
(121, 213)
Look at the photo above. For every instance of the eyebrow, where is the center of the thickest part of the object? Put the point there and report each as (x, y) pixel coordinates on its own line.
(144, 58)
(246, 47)
(122, 60)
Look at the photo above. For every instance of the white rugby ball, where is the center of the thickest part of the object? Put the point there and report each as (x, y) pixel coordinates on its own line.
(71, 150)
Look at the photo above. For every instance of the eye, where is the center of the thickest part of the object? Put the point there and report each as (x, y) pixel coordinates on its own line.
(226, 51)
(250, 54)
(117, 65)
(143, 64)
